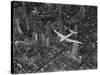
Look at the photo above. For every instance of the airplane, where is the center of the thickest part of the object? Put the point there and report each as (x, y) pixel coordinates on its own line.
(66, 38)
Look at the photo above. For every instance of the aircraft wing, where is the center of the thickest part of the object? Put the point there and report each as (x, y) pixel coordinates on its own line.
(75, 41)
(59, 34)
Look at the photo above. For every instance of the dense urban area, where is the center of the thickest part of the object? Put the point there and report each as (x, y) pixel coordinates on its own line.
(36, 45)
